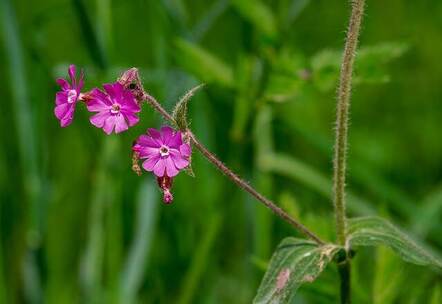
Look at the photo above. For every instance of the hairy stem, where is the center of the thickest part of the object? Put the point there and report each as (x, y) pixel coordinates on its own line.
(235, 178)
(245, 186)
(343, 104)
(341, 141)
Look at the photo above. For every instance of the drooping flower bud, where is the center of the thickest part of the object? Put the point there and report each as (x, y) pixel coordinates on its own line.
(128, 77)
(165, 184)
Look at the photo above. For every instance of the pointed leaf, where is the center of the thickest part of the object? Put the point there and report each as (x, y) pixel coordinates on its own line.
(374, 231)
(180, 112)
(370, 65)
(294, 262)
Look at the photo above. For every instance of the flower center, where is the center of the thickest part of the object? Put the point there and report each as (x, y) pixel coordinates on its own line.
(72, 96)
(164, 151)
(115, 108)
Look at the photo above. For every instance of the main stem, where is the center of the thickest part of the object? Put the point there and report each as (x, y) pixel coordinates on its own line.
(235, 178)
(344, 270)
(341, 141)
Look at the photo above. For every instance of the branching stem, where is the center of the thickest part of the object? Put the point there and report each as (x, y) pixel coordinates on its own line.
(234, 177)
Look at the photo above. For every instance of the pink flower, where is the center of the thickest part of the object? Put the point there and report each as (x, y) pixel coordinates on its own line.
(116, 108)
(165, 154)
(66, 99)
(164, 151)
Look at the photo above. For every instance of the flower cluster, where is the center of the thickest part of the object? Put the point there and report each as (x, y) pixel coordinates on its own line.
(116, 107)
(163, 152)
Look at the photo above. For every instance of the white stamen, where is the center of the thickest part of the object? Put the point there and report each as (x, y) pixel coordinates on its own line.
(164, 151)
(115, 108)
(72, 96)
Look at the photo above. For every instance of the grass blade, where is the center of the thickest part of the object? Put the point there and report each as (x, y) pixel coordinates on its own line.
(132, 274)
(200, 260)
(23, 120)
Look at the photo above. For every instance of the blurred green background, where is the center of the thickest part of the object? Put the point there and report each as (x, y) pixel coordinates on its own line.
(78, 226)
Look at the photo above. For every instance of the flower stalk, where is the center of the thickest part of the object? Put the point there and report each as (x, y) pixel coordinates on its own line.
(245, 186)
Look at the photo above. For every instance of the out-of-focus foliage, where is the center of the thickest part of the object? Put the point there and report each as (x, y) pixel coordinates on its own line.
(77, 226)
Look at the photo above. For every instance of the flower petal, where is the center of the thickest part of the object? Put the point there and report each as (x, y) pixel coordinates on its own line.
(61, 109)
(109, 124)
(100, 97)
(179, 161)
(148, 141)
(63, 83)
(185, 150)
(65, 113)
(96, 105)
(159, 168)
(120, 123)
(155, 134)
(80, 82)
(150, 163)
(99, 119)
(115, 91)
(72, 71)
(129, 103)
(176, 141)
(171, 170)
(146, 152)
(167, 134)
(131, 118)
(61, 97)
(67, 119)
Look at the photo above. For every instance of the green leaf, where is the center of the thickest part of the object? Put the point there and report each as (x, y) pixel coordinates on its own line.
(295, 261)
(180, 111)
(374, 231)
(180, 116)
(203, 64)
(370, 64)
